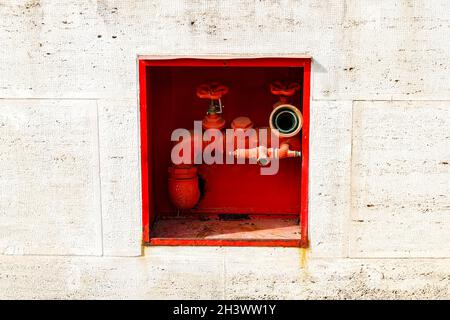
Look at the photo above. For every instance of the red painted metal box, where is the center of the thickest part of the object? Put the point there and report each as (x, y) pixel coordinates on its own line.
(238, 206)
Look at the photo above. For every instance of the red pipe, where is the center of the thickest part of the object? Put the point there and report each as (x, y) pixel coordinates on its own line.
(263, 154)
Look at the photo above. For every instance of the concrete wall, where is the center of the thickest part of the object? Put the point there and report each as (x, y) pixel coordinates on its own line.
(70, 220)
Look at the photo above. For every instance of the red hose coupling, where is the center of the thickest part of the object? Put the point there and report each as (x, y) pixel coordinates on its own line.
(184, 191)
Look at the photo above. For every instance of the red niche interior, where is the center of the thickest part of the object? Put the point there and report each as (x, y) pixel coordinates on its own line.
(169, 101)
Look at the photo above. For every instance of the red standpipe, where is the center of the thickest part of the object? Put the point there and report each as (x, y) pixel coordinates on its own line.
(285, 121)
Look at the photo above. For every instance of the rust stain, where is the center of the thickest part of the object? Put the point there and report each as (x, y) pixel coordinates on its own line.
(304, 274)
(304, 258)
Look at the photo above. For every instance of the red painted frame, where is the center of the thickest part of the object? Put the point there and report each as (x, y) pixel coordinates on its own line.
(147, 192)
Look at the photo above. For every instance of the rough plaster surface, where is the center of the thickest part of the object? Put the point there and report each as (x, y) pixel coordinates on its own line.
(329, 194)
(395, 50)
(49, 177)
(88, 48)
(217, 273)
(401, 179)
(379, 174)
(119, 158)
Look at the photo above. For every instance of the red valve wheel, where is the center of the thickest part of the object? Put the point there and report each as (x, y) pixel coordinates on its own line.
(213, 91)
(287, 89)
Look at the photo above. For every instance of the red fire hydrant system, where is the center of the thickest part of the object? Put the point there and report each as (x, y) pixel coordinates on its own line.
(285, 122)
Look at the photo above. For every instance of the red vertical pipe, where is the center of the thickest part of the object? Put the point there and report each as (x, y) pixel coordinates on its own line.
(305, 155)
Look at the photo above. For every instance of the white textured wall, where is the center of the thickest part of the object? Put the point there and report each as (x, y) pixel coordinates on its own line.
(69, 147)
